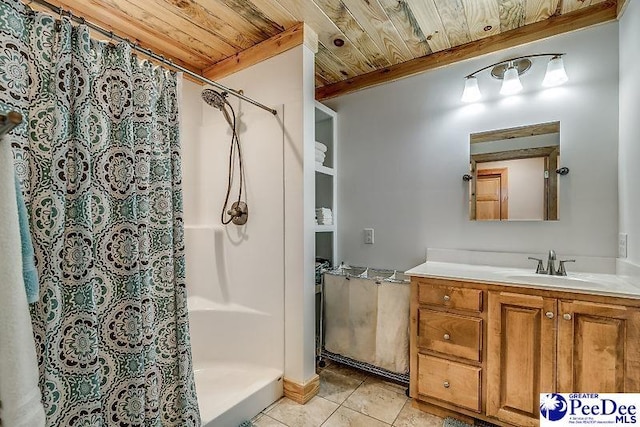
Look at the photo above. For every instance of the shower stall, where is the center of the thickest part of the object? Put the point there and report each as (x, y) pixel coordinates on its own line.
(235, 273)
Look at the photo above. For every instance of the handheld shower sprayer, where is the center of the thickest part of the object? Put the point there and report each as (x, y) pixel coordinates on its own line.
(239, 212)
(218, 100)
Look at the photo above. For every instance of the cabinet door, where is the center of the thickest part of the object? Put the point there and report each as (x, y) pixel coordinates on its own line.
(521, 345)
(598, 348)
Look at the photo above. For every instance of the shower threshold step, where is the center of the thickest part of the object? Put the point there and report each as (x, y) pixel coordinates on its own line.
(229, 393)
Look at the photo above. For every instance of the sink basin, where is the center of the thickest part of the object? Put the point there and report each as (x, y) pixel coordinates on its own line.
(562, 281)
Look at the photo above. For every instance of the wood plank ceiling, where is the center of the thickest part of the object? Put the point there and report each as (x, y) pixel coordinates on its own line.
(356, 37)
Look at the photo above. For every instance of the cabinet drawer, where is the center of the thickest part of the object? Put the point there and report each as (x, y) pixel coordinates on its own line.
(449, 381)
(450, 297)
(450, 334)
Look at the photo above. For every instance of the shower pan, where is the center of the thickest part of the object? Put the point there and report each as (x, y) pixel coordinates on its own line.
(234, 375)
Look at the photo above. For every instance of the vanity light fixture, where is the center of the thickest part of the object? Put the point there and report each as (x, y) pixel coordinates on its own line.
(556, 74)
(510, 70)
(471, 90)
(511, 82)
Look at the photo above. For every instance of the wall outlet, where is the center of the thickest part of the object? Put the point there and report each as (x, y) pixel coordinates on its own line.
(368, 236)
(622, 245)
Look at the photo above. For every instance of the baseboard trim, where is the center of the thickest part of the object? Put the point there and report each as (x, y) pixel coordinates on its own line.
(301, 393)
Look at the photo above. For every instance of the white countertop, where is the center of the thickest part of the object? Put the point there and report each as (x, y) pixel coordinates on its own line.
(589, 283)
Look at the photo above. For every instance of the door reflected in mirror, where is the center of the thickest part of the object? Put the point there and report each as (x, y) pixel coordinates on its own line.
(514, 174)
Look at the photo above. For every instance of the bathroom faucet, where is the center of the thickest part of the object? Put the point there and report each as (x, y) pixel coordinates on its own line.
(551, 268)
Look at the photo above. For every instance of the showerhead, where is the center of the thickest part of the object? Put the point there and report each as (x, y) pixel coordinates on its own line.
(214, 98)
(218, 100)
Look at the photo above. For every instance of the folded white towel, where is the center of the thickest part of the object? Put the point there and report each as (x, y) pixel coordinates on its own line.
(320, 158)
(320, 146)
(19, 391)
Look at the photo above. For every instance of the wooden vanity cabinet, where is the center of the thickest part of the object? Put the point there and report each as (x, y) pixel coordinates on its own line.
(521, 355)
(487, 351)
(598, 347)
(447, 330)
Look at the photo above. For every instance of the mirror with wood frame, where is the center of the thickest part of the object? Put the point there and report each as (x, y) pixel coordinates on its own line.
(514, 174)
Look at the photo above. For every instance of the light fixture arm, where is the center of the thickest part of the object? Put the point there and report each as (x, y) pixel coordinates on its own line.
(510, 60)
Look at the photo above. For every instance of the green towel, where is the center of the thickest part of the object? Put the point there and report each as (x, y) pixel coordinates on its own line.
(29, 271)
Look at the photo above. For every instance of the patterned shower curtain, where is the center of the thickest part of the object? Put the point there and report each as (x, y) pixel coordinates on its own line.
(99, 160)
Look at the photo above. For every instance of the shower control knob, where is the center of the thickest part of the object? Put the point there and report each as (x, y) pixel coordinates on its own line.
(447, 337)
(566, 316)
(446, 384)
(446, 298)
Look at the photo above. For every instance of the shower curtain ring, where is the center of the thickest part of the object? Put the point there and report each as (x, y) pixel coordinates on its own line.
(58, 25)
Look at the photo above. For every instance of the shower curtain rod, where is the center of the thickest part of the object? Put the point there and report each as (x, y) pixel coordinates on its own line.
(60, 11)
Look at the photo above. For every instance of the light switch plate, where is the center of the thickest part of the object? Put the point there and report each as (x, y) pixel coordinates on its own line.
(622, 245)
(368, 236)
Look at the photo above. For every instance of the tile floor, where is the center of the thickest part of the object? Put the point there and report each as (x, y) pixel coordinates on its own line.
(348, 398)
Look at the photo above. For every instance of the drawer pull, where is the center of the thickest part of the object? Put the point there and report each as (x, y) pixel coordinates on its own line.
(447, 337)
(566, 316)
(549, 314)
(446, 384)
(446, 298)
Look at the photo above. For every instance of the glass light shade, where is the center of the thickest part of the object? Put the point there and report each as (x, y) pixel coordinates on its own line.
(471, 90)
(556, 75)
(511, 82)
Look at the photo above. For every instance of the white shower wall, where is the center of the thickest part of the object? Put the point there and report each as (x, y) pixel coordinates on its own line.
(237, 266)
(246, 268)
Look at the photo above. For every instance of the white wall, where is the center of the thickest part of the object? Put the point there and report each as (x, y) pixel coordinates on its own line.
(525, 186)
(404, 147)
(630, 129)
(264, 263)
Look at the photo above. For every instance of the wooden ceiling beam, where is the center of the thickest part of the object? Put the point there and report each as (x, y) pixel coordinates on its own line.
(559, 24)
(288, 39)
